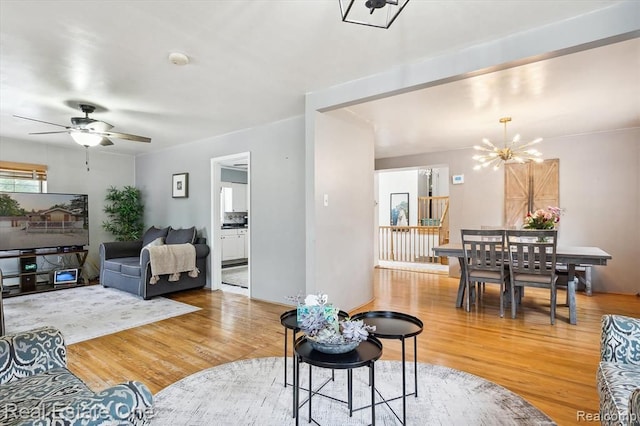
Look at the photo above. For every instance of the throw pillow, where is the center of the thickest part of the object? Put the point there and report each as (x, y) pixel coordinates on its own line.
(153, 233)
(181, 236)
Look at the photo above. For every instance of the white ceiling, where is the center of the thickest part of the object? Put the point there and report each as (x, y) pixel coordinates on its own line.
(253, 61)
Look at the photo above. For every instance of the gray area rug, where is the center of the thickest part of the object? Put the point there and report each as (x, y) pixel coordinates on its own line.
(83, 313)
(251, 392)
(238, 276)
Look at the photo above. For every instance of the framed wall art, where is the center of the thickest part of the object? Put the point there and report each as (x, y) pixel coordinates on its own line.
(180, 185)
(399, 209)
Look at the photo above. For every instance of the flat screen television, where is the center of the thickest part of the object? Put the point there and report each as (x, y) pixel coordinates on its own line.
(30, 221)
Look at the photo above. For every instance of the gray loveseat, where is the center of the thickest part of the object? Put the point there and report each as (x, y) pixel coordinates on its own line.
(36, 388)
(126, 266)
(618, 374)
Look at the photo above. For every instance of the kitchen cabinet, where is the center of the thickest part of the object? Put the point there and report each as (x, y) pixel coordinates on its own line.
(245, 242)
(234, 244)
(239, 197)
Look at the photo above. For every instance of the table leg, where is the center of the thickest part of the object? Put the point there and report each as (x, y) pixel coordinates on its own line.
(296, 389)
(587, 280)
(285, 356)
(404, 386)
(571, 295)
(415, 365)
(350, 391)
(462, 284)
(372, 374)
(571, 292)
(571, 272)
(295, 370)
(310, 392)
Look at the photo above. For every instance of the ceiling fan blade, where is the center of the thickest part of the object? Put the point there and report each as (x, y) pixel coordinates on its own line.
(125, 136)
(106, 142)
(48, 133)
(40, 121)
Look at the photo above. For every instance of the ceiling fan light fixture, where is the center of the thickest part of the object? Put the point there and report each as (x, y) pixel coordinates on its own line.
(372, 13)
(86, 138)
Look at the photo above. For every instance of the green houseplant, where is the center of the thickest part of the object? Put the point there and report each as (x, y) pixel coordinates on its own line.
(125, 211)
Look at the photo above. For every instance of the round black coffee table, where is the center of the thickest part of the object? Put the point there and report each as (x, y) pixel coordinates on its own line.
(364, 355)
(396, 325)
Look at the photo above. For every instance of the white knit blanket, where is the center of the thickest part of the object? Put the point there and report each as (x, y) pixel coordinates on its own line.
(172, 259)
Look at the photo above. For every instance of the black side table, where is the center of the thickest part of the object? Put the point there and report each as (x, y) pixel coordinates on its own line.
(364, 355)
(396, 325)
(289, 321)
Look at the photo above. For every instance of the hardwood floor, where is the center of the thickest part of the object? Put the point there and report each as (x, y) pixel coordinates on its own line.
(553, 367)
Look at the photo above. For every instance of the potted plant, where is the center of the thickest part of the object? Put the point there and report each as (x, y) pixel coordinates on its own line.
(326, 331)
(126, 213)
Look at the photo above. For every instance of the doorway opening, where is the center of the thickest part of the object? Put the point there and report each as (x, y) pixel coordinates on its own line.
(412, 218)
(230, 213)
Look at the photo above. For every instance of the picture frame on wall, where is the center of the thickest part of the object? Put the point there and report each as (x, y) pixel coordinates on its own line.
(399, 213)
(180, 185)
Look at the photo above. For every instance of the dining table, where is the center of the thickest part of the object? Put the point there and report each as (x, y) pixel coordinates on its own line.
(571, 256)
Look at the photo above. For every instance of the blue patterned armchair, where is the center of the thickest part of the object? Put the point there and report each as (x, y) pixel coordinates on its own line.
(37, 389)
(618, 374)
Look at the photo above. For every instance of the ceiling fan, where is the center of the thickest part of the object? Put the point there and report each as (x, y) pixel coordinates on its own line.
(87, 131)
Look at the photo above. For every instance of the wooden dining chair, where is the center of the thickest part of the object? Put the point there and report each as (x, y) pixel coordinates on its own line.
(532, 263)
(485, 260)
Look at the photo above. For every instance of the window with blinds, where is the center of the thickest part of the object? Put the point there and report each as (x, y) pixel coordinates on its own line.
(22, 177)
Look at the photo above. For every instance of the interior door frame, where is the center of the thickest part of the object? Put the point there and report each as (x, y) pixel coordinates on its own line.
(216, 223)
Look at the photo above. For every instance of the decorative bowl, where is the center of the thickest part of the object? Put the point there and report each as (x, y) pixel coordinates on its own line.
(333, 348)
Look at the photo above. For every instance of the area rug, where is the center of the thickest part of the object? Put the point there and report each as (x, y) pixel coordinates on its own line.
(238, 275)
(83, 313)
(429, 268)
(251, 392)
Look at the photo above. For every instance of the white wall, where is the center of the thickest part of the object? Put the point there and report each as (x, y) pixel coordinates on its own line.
(277, 199)
(441, 181)
(68, 174)
(599, 188)
(343, 246)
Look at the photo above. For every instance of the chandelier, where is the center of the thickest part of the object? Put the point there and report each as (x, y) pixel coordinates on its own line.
(372, 13)
(514, 152)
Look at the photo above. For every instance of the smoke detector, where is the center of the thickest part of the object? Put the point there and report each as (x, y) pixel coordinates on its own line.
(178, 58)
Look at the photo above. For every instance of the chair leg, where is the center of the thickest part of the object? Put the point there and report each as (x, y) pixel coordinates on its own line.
(468, 298)
(553, 304)
(571, 295)
(513, 300)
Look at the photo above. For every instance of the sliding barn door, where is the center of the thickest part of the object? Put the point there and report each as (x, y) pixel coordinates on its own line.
(528, 187)
(545, 186)
(517, 181)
